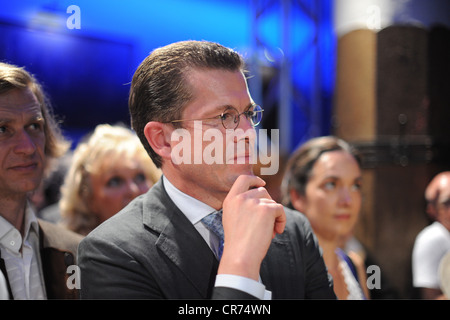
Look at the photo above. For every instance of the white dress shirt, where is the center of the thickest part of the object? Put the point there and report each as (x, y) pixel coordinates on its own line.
(430, 246)
(3, 288)
(195, 211)
(22, 258)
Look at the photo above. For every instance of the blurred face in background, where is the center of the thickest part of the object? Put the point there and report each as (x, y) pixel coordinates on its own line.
(115, 184)
(22, 142)
(332, 199)
(443, 203)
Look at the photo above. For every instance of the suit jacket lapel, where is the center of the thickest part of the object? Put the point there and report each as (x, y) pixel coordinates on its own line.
(180, 241)
(54, 264)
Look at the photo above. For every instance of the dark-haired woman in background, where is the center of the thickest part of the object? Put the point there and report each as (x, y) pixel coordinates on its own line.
(323, 180)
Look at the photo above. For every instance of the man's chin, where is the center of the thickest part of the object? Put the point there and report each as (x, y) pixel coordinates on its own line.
(26, 185)
(239, 170)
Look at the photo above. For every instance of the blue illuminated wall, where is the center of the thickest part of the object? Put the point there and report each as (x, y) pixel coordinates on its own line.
(86, 78)
(87, 71)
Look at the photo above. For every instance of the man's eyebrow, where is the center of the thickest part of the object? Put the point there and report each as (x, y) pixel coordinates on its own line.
(229, 106)
(5, 120)
(222, 107)
(38, 118)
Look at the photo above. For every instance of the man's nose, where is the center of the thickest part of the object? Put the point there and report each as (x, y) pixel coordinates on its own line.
(244, 122)
(24, 144)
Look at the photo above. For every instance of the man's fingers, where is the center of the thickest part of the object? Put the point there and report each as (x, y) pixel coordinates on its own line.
(251, 187)
(280, 222)
(279, 216)
(244, 183)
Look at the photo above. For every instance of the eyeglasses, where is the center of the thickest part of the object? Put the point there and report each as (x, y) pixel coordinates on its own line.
(231, 117)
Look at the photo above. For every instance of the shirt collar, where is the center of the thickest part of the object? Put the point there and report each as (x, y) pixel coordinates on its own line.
(30, 223)
(193, 209)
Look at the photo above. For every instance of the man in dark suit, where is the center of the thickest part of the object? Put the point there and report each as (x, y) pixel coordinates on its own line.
(162, 245)
(34, 254)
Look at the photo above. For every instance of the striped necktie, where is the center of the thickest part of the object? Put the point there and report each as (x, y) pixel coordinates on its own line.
(213, 222)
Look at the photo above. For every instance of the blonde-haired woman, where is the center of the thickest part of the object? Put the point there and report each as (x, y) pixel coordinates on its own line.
(108, 170)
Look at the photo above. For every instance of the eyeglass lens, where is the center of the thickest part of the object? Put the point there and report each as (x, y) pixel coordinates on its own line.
(231, 118)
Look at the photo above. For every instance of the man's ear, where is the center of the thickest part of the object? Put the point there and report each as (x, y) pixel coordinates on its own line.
(158, 136)
(298, 201)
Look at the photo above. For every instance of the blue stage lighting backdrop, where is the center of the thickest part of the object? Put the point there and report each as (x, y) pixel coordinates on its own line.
(87, 70)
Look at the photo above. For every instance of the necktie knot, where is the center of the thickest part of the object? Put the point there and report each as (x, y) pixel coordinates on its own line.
(213, 222)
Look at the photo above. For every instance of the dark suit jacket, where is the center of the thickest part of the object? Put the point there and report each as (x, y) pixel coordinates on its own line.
(151, 250)
(58, 251)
